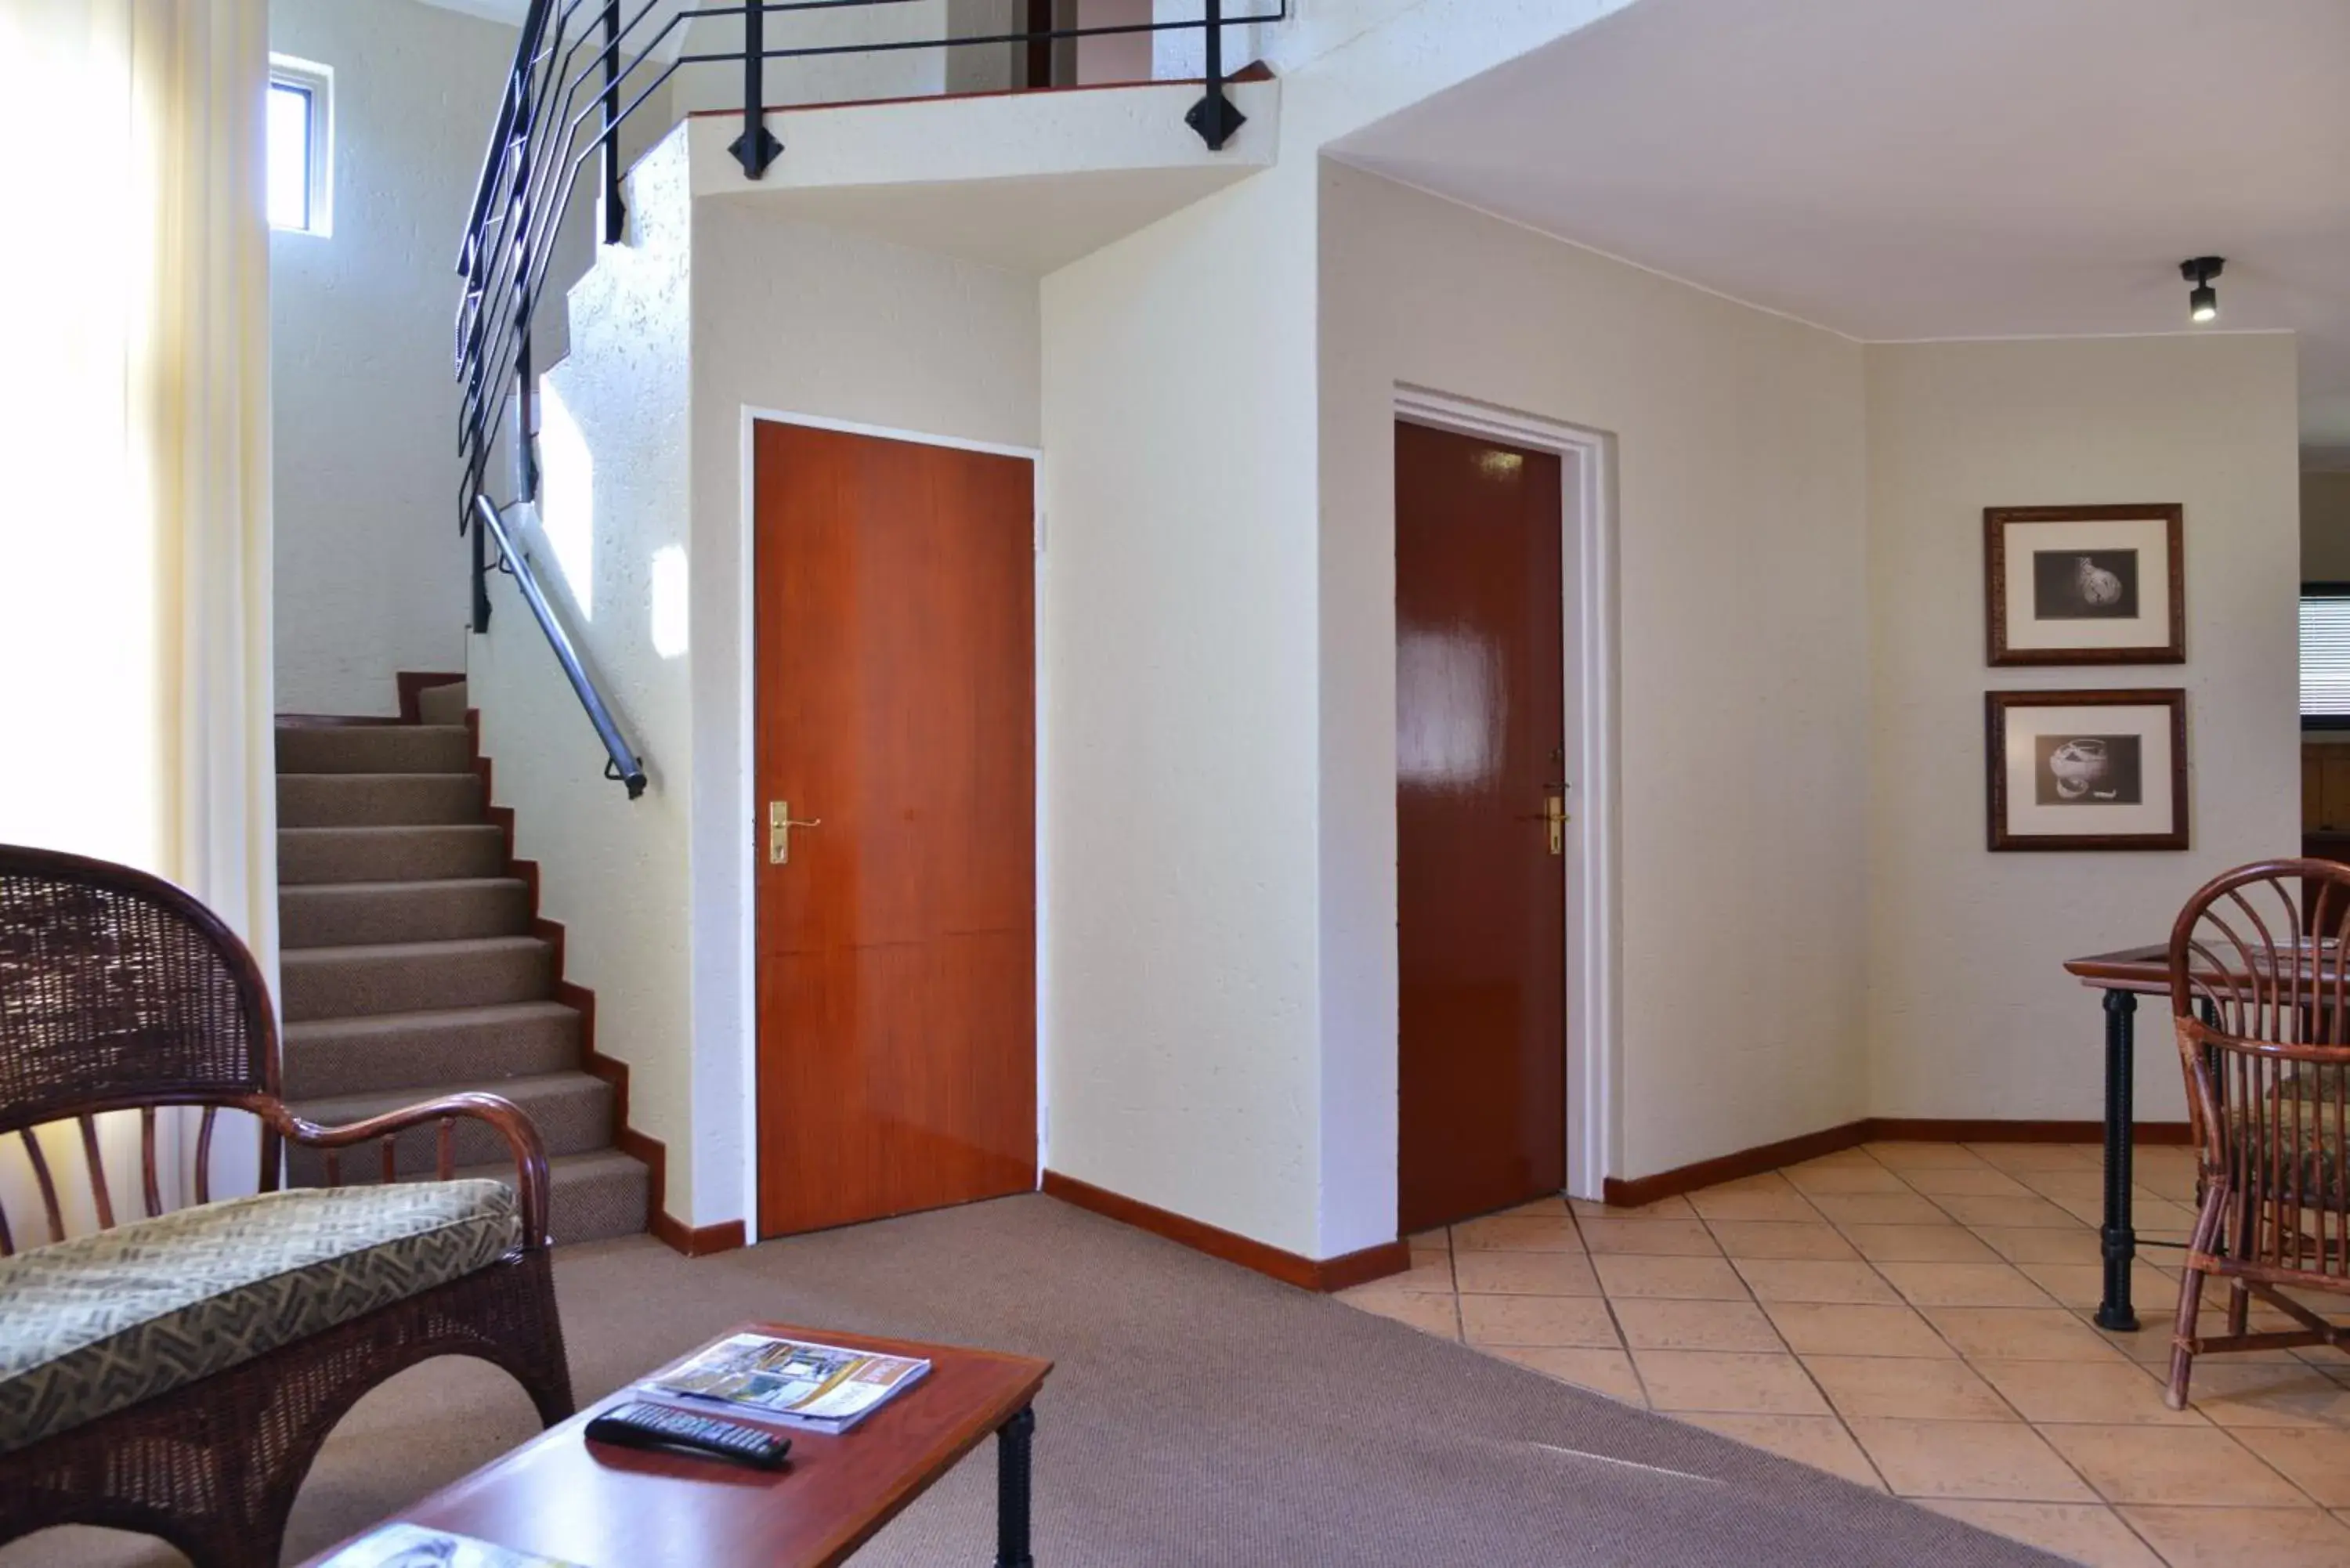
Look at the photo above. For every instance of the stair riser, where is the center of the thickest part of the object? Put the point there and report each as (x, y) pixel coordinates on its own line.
(377, 800)
(600, 1205)
(427, 1055)
(332, 916)
(315, 854)
(317, 986)
(443, 704)
(374, 749)
(567, 1124)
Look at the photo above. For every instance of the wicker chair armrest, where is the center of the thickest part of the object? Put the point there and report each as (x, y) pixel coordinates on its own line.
(521, 1136)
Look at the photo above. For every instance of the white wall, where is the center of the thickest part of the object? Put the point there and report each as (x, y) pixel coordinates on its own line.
(1740, 475)
(371, 573)
(1179, 774)
(614, 871)
(1969, 1014)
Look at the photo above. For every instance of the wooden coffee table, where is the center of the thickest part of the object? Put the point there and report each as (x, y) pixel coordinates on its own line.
(606, 1507)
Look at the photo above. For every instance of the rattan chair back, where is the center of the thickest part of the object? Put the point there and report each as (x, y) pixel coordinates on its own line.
(119, 992)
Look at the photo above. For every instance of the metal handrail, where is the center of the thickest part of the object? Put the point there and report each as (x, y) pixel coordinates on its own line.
(558, 110)
(624, 765)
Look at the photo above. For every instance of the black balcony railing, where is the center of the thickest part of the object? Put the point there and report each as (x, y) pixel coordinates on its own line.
(581, 68)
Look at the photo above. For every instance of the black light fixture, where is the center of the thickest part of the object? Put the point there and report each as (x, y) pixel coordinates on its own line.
(2203, 301)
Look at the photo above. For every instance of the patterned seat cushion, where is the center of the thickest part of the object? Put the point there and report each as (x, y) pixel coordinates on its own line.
(2294, 1149)
(95, 1325)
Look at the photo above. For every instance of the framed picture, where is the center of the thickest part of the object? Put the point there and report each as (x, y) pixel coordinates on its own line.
(2088, 770)
(2085, 585)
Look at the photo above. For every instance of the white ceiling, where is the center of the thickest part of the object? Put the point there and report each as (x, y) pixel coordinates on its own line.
(1909, 169)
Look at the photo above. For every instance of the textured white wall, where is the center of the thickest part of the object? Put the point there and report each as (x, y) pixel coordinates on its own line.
(614, 871)
(370, 572)
(1739, 478)
(1179, 774)
(1970, 1012)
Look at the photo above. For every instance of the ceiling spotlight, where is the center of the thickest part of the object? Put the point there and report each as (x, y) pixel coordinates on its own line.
(2203, 301)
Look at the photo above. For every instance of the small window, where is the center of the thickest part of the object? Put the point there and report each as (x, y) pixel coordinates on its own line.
(2326, 656)
(301, 150)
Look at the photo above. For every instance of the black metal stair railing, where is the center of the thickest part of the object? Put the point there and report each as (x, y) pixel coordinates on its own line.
(581, 68)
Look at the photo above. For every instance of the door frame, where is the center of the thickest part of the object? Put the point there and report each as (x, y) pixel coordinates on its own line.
(746, 789)
(1590, 651)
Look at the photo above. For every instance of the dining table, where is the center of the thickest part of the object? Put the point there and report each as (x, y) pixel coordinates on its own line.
(2122, 977)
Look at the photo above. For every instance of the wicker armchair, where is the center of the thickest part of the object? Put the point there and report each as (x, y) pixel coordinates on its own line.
(174, 1374)
(2261, 1001)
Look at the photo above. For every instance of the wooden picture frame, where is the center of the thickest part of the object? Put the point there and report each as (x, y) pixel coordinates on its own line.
(2080, 780)
(2085, 585)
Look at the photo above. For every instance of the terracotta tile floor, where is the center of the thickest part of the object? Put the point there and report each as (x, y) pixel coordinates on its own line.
(1916, 1317)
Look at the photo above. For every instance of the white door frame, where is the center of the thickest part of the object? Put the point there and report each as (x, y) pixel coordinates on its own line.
(747, 811)
(1594, 1044)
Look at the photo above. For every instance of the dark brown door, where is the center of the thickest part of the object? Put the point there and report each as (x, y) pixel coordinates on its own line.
(1482, 890)
(897, 940)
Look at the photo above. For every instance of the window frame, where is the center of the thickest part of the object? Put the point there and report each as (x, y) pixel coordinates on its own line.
(316, 82)
(2317, 591)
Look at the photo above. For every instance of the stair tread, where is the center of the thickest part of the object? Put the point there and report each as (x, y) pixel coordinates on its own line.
(366, 722)
(392, 827)
(595, 1162)
(396, 889)
(414, 950)
(318, 1030)
(340, 1109)
(356, 778)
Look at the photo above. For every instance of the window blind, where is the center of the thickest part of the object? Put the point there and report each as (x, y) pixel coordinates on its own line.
(2326, 656)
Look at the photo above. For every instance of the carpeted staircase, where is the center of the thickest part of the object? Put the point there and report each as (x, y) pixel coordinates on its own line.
(410, 968)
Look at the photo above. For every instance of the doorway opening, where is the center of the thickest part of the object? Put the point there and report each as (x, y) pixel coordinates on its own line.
(1509, 1056)
(893, 711)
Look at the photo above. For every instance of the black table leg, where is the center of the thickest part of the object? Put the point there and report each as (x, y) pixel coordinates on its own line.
(1012, 1442)
(2120, 1242)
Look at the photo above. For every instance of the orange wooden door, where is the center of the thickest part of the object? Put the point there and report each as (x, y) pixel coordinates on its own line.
(897, 944)
(1482, 894)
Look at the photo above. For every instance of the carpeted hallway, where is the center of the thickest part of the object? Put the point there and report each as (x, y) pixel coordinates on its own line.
(1200, 1414)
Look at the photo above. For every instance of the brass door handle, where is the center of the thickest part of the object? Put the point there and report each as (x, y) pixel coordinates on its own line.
(1555, 818)
(779, 831)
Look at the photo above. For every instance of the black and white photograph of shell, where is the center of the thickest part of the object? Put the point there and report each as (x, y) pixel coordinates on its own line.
(2085, 585)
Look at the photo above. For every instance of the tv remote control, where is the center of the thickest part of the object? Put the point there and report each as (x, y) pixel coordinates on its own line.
(643, 1425)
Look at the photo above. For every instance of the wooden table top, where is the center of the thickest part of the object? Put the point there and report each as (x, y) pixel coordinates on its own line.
(608, 1507)
(2147, 968)
(2132, 968)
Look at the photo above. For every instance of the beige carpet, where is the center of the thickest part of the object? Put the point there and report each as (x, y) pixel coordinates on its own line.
(1200, 1414)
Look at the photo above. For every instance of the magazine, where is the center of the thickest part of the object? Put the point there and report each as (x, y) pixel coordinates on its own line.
(820, 1385)
(412, 1546)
